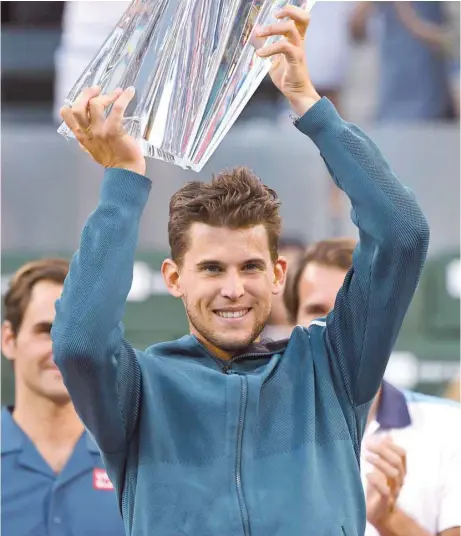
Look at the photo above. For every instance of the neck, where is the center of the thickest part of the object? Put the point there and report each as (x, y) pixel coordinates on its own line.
(374, 408)
(215, 350)
(45, 420)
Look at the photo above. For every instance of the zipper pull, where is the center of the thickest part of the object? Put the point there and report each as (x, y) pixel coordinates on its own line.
(227, 369)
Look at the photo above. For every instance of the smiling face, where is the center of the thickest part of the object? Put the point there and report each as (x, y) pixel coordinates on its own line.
(30, 349)
(226, 281)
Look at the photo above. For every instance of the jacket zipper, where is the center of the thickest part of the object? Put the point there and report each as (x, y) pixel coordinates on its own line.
(238, 458)
(227, 369)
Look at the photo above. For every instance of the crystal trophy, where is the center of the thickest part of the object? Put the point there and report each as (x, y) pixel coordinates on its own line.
(194, 68)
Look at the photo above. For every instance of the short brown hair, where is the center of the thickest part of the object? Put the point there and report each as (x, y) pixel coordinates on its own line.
(18, 295)
(236, 199)
(335, 252)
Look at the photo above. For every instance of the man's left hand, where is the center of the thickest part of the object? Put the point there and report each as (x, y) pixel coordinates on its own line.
(386, 480)
(289, 69)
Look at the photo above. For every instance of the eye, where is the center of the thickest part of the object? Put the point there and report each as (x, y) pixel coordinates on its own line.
(211, 269)
(252, 267)
(43, 328)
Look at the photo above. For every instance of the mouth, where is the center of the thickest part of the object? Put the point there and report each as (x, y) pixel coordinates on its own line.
(237, 314)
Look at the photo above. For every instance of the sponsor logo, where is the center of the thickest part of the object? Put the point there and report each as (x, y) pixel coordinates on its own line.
(101, 480)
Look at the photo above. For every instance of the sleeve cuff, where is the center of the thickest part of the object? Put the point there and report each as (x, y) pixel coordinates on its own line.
(126, 187)
(319, 119)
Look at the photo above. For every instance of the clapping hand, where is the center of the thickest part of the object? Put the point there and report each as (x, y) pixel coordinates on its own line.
(386, 479)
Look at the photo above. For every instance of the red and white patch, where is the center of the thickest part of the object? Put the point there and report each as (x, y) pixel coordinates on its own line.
(101, 480)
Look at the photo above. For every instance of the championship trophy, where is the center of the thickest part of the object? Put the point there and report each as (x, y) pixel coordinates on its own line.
(194, 68)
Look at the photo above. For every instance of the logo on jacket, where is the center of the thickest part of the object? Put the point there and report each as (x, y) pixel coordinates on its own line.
(101, 480)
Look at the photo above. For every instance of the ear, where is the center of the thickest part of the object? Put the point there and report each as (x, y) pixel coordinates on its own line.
(170, 272)
(8, 341)
(280, 273)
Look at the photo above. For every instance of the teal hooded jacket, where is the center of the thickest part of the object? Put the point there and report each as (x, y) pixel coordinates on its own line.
(267, 444)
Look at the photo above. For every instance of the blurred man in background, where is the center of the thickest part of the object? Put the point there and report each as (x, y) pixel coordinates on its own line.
(416, 54)
(53, 480)
(411, 451)
(278, 325)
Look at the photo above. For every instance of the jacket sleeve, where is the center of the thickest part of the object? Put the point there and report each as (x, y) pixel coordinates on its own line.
(100, 369)
(362, 329)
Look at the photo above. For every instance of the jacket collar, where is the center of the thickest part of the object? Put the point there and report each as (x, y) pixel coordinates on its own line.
(392, 409)
(263, 348)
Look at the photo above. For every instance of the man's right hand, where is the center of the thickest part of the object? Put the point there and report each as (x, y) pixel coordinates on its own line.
(104, 139)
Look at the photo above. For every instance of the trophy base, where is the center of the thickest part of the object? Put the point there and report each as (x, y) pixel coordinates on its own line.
(150, 151)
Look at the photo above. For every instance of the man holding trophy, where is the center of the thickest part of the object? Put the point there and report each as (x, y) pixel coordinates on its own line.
(220, 432)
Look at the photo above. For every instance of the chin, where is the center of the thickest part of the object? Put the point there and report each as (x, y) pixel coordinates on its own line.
(234, 344)
(231, 338)
(60, 397)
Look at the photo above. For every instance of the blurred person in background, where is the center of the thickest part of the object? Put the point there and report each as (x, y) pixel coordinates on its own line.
(416, 50)
(452, 10)
(328, 52)
(85, 27)
(411, 449)
(278, 325)
(53, 479)
(328, 56)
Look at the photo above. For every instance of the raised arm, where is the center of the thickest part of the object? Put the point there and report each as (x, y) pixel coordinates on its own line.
(362, 329)
(99, 368)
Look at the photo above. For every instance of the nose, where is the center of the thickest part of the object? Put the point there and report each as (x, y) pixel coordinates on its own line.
(233, 287)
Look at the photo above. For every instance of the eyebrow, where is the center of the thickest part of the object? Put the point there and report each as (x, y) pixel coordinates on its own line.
(43, 326)
(213, 262)
(208, 262)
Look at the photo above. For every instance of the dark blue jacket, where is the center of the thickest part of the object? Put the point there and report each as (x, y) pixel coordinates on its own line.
(270, 447)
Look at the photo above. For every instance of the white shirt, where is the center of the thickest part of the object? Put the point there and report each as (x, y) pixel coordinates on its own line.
(430, 433)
